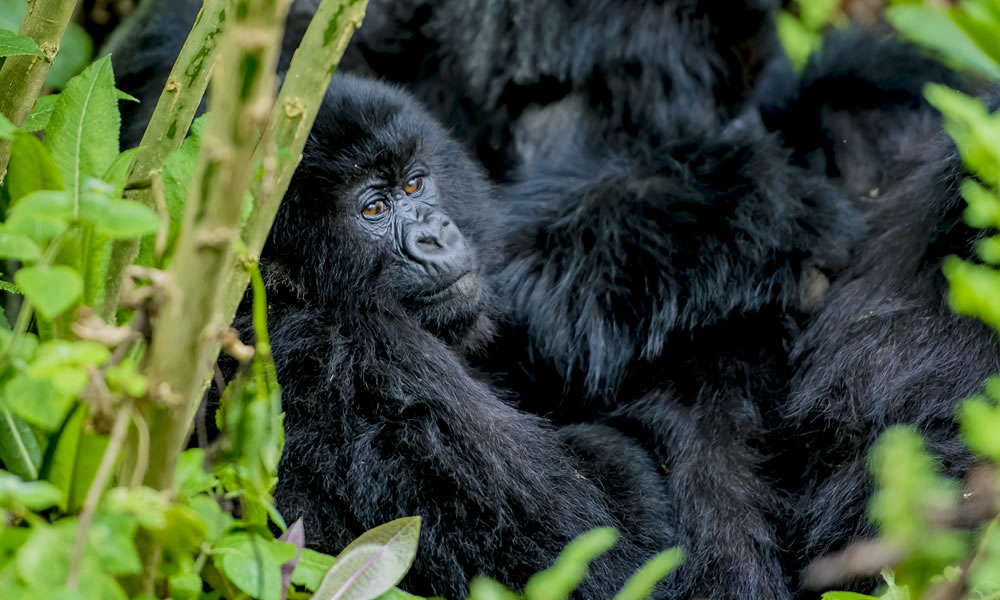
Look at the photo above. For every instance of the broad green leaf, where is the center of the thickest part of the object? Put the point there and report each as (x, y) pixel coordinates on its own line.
(37, 401)
(19, 449)
(18, 247)
(51, 290)
(846, 596)
(63, 352)
(128, 219)
(816, 14)
(22, 347)
(931, 26)
(215, 519)
(7, 129)
(641, 585)
(372, 564)
(185, 587)
(12, 44)
(38, 228)
(43, 560)
(311, 569)
(61, 457)
(89, 453)
(11, 538)
(111, 541)
(31, 168)
(148, 506)
(249, 563)
(988, 249)
(50, 204)
(571, 567)
(12, 13)
(35, 495)
(191, 478)
(40, 115)
(82, 134)
(982, 32)
(75, 51)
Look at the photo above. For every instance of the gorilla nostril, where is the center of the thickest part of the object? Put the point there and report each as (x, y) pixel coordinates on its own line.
(427, 240)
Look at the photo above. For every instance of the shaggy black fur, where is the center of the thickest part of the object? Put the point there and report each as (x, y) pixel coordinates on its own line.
(369, 317)
(884, 347)
(652, 66)
(383, 417)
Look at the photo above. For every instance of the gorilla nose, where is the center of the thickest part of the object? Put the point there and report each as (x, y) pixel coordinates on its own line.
(436, 244)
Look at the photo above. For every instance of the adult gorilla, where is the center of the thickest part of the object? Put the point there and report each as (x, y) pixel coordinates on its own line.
(884, 348)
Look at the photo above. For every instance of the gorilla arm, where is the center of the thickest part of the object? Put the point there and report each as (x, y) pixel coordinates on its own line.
(382, 422)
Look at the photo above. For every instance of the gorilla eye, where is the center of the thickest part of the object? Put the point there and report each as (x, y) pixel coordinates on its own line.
(413, 186)
(375, 208)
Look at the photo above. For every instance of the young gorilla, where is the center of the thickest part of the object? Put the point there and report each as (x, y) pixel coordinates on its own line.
(375, 270)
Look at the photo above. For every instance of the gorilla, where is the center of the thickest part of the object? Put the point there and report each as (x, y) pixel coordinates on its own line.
(884, 347)
(375, 268)
(376, 272)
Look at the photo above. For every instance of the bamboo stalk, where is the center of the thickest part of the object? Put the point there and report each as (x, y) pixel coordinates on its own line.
(169, 125)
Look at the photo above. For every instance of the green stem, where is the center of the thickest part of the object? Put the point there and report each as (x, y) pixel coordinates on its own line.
(169, 125)
(292, 119)
(22, 77)
(184, 347)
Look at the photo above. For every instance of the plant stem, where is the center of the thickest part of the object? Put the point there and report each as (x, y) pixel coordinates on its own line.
(116, 439)
(169, 125)
(301, 96)
(22, 77)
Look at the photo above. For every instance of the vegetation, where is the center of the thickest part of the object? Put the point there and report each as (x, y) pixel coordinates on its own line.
(100, 377)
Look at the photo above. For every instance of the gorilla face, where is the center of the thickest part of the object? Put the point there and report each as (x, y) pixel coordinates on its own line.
(382, 212)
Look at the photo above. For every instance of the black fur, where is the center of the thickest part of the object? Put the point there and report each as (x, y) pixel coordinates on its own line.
(884, 348)
(383, 416)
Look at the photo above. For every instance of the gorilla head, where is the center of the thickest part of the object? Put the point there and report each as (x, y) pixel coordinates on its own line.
(381, 214)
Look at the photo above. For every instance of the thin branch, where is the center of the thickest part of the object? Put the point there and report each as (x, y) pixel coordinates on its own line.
(118, 433)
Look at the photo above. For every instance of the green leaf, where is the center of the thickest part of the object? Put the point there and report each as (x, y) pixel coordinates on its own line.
(19, 449)
(191, 478)
(7, 129)
(38, 402)
(185, 587)
(249, 563)
(311, 568)
(641, 585)
(34, 495)
(12, 44)
(18, 247)
(973, 290)
(484, 588)
(40, 115)
(117, 174)
(374, 563)
(931, 26)
(571, 567)
(31, 168)
(65, 353)
(61, 462)
(82, 134)
(846, 596)
(125, 219)
(111, 542)
(75, 52)
(973, 128)
(50, 204)
(51, 290)
(980, 420)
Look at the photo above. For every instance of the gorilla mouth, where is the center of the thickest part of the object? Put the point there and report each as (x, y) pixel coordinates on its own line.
(466, 286)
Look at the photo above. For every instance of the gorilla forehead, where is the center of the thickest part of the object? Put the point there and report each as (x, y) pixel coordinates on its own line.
(366, 128)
